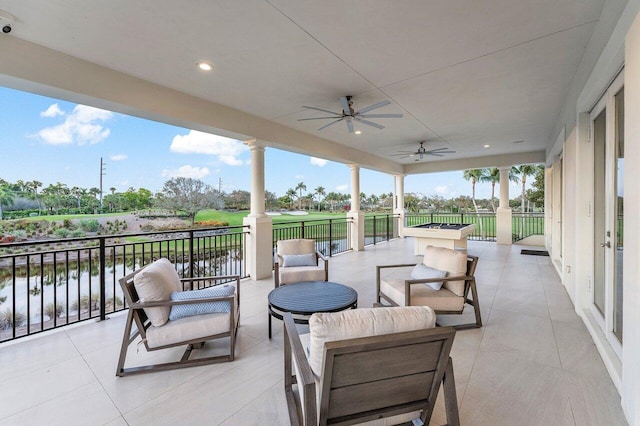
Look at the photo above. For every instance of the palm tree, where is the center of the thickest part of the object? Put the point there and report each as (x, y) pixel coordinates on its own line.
(320, 192)
(301, 187)
(6, 197)
(33, 186)
(474, 175)
(291, 193)
(524, 171)
(492, 176)
(113, 190)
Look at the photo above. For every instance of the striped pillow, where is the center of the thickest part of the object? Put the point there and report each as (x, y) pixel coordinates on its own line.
(182, 311)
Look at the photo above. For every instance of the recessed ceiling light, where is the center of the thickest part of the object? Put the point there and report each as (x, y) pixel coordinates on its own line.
(486, 146)
(204, 66)
(358, 132)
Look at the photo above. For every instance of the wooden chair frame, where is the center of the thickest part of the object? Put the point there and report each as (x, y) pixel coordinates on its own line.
(469, 286)
(367, 369)
(319, 257)
(137, 315)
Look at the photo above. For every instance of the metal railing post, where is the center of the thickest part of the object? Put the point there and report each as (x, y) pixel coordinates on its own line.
(330, 237)
(374, 230)
(103, 269)
(387, 227)
(191, 256)
(302, 223)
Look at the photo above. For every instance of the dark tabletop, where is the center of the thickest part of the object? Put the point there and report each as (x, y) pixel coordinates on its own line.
(311, 297)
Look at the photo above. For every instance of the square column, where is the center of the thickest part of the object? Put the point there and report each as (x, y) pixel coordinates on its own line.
(398, 203)
(504, 227)
(260, 240)
(357, 228)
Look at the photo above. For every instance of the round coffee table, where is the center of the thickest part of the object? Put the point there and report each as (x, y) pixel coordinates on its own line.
(304, 299)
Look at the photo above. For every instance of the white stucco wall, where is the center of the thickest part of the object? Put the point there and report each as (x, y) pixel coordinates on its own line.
(631, 336)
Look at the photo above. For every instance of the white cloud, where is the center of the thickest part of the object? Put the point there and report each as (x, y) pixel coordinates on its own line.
(226, 149)
(442, 189)
(118, 157)
(53, 111)
(79, 127)
(187, 171)
(318, 161)
(299, 177)
(342, 188)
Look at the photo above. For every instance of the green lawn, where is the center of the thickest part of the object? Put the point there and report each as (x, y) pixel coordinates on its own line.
(235, 218)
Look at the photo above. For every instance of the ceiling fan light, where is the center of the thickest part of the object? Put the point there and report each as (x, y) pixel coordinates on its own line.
(358, 132)
(486, 146)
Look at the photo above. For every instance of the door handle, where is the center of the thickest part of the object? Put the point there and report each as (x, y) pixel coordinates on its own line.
(607, 244)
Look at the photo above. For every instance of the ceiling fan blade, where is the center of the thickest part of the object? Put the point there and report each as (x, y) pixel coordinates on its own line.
(345, 105)
(435, 154)
(372, 107)
(330, 124)
(369, 123)
(401, 153)
(323, 110)
(350, 126)
(439, 151)
(380, 115)
(316, 118)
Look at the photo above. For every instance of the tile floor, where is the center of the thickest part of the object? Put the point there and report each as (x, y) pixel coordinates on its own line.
(533, 363)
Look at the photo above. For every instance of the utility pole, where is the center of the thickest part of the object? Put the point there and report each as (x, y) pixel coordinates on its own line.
(220, 185)
(102, 173)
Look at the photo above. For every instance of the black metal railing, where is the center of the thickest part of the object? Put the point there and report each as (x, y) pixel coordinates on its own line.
(332, 235)
(52, 283)
(379, 228)
(524, 225)
(485, 222)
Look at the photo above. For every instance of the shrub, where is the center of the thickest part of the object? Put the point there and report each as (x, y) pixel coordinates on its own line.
(211, 223)
(78, 233)
(19, 234)
(68, 224)
(7, 320)
(62, 232)
(52, 312)
(90, 225)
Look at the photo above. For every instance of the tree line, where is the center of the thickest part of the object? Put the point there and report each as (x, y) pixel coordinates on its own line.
(190, 195)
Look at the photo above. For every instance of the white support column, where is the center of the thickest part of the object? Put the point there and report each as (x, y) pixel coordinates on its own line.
(357, 229)
(398, 203)
(503, 214)
(260, 240)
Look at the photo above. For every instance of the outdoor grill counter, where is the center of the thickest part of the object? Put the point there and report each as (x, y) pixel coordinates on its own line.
(448, 235)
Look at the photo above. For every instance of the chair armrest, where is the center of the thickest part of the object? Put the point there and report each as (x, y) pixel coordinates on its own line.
(326, 264)
(321, 256)
(436, 280)
(293, 350)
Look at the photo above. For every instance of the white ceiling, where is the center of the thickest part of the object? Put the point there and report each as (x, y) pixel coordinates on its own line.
(463, 73)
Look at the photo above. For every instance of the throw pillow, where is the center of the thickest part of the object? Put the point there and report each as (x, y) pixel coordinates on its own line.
(155, 283)
(422, 272)
(182, 311)
(289, 260)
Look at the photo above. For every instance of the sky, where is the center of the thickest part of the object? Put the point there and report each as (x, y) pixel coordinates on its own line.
(51, 141)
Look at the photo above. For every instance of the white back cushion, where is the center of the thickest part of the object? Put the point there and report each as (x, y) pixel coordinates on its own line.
(297, 246)
(452, 261)
(329, 327)
(155, 283)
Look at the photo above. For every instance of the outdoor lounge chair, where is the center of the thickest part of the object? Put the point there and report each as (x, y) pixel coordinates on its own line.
(298, 261)
(406, 287)
(368, 366)
(166, 316)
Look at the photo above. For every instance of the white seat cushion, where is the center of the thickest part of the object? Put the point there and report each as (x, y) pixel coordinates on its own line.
(301, 273)
(155, 283)
(189, 328)
(452, 261)
(439, 300)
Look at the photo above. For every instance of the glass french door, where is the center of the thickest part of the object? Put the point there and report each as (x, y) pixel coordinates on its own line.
(607, 131)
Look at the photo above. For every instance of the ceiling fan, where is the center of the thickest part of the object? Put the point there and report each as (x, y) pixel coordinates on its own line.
(422, 151)
(349, 115)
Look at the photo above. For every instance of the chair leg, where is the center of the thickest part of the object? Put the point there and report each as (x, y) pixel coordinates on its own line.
(126, 341)
(450, 398)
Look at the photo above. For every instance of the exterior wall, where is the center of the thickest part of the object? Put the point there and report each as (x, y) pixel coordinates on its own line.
(616, 43)
(631, 332)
